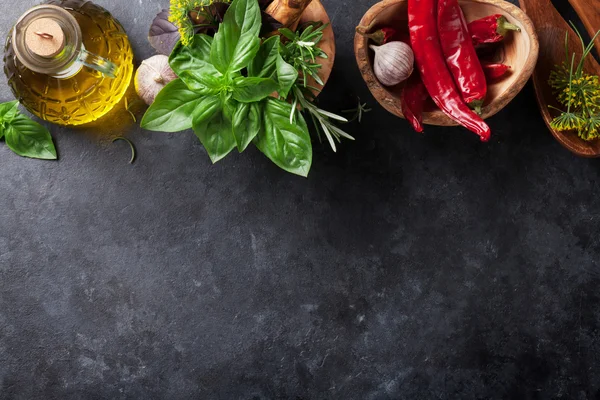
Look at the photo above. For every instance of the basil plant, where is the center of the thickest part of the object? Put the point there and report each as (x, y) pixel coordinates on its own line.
(225, 93)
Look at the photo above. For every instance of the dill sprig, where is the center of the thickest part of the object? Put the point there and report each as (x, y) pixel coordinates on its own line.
(579, 92)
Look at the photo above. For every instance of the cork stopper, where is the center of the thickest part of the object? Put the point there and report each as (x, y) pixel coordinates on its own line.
(45, 37)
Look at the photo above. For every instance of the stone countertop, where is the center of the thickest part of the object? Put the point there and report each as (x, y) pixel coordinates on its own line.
(406, 266)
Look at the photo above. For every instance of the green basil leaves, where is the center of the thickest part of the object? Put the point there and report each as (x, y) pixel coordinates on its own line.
(287, 145)
(215, 133)
(23, 136)
(237, 41)
(8, 111)
(173, 108)
(224, 93)
(251, 90)
(287, 76)
(264, 64)
(247, 122)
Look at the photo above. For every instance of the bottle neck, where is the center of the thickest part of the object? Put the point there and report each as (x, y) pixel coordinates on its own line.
(47, 39)
(71, 69)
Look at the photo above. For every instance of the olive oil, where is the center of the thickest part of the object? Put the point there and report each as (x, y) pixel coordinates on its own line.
(89, 74)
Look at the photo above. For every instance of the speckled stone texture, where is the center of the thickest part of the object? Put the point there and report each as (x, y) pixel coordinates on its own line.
(406, 267)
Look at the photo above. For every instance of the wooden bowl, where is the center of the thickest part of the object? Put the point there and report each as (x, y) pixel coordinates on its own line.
(519, 50)
(315, 12)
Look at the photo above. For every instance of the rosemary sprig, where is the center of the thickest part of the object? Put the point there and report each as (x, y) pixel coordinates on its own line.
(301, 51)
(358, 112)
(321, 119)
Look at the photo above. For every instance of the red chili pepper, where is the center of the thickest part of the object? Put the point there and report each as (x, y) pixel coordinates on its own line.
(460, 53)
(414, 97)
(491, 29)
(425, 41)
(494, 70)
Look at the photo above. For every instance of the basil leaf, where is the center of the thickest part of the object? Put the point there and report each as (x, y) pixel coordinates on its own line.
(192, 65)
(205, 110)
(246, 123)
(163, 35)
(287, 76)
(185, 57)
(8, 111)
(173, 108)
(287, 145)
(268, 63)
(250, 90)
(27, 138)
(264, 65)
(203, 80)
(237, 42)
(216, 134)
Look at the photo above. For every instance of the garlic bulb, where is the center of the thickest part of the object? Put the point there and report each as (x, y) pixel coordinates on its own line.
(393, 62)
(152, 76)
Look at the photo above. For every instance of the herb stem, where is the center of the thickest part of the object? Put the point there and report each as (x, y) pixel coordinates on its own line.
(133, 152)
(570, 84)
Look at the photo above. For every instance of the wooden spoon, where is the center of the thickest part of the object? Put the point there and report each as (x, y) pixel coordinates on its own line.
(551, 29)
(589, 12)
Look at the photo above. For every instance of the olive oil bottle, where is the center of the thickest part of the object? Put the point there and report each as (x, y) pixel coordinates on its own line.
(68, 61)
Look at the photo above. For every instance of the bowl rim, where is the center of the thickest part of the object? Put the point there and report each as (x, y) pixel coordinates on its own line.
(437, 117)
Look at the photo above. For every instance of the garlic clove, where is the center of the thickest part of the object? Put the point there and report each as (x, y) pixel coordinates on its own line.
(393, 62)
(152, 76)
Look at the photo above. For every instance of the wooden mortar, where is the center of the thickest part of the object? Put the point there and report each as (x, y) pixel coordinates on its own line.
(519, 50)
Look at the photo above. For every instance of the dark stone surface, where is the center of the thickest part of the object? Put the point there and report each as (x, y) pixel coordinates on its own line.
(405, 267)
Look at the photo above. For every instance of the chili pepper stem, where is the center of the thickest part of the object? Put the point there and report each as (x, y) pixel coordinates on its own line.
(476, 106)
(504, 26)
(377, 37)
(361, 29)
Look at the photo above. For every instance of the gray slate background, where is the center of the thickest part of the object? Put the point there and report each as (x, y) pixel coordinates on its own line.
(405, 267)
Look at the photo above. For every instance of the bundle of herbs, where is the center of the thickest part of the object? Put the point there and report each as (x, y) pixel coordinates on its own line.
(243, 85)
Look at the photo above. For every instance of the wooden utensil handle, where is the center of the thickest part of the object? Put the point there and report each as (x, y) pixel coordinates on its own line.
(589, 12)
(287, 12)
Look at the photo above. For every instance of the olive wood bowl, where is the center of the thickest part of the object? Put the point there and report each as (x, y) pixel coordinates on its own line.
(519, 50)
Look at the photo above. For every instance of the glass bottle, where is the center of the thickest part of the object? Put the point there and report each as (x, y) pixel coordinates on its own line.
(68, 61)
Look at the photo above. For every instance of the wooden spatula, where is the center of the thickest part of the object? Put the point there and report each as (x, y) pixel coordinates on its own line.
(589, 12)
(551, 28)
